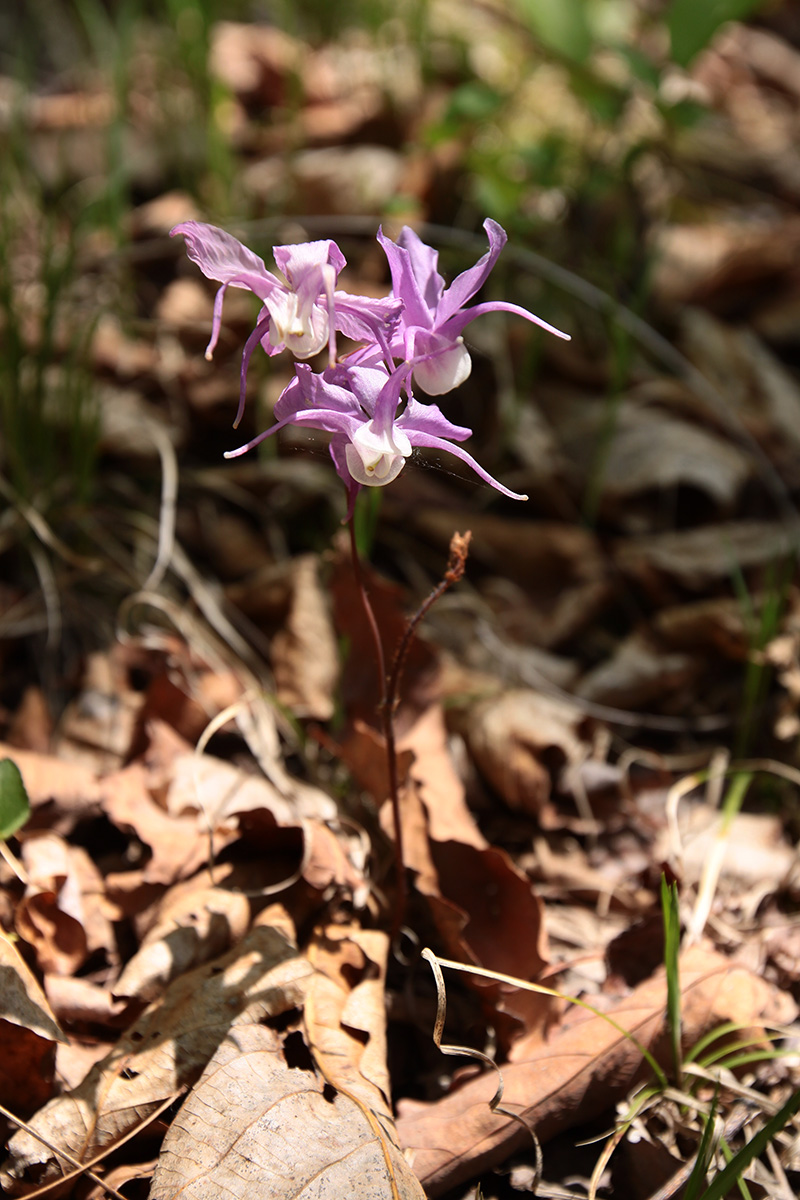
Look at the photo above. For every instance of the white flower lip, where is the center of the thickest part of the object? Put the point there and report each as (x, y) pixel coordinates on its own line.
(294, 329)
(446, 369)
(375, 459)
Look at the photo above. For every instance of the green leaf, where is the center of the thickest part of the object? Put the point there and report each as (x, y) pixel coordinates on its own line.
(692, 23)
(15, 807)
(561, 25)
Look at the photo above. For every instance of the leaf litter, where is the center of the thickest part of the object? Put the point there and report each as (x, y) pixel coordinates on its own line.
(198, 985)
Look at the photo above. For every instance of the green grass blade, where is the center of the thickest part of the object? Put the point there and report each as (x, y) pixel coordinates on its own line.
(672, 942)
(697, 1177)
(729, 1175)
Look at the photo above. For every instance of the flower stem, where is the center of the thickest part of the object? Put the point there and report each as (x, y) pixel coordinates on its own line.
(386, 711)
(390, 688)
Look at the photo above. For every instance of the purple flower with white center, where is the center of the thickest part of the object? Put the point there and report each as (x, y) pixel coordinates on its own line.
(300, 314)
(433, 316)
(359, 406)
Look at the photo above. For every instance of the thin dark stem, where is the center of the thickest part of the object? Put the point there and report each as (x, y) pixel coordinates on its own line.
(456, 563)
(386, 711)
(390, 688)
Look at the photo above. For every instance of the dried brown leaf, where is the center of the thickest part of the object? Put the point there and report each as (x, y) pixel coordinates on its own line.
(256, 1128)
(73, 787)
(580, 1072)
(28, 1034)
(344, 1015)
(162, 1054)
(303, 652)
(485, 908)
(193, 926)
(518, 739)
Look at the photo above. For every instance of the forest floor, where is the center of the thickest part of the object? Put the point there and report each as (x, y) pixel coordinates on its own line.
(203, 985)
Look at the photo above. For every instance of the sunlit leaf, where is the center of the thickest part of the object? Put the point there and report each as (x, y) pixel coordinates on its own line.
(15, 806)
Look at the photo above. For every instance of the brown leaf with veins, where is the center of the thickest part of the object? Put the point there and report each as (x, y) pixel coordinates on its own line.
(28, 1035)
(162, 1054)
(580, 1072)
(255, 1128)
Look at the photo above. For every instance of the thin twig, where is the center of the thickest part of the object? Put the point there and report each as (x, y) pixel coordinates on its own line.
(471, 1052)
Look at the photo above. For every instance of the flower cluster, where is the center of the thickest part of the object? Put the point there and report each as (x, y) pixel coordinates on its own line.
(411, 338)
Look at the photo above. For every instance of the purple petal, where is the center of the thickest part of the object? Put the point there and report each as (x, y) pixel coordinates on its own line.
(431, 421)
(389, 398)
(404, 284)
(328, 420)
(318, 392)
(464, 287)
(249, 346)
(366, 384)
(222, 257)
(418, 438)
(362, 318)
(216, 323)
(296, 262)
(424, 262)
(454, 326)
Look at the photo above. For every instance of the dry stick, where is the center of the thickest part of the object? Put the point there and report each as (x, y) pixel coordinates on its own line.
(84, 1168)
(390, 686)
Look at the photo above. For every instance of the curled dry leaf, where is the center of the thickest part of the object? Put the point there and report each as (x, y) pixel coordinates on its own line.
(179, 844)
(651, 449)
(580, 1072)
(517, 739)
(81, 1001)
(345, 1017)
(192, 927)
(640, 672)
(218, 790)
(28, 1035)
(257, 1128)
(61, 914)
(162, 1054)
(695, 558)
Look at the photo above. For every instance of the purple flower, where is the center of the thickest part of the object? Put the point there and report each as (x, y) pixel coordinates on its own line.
(299, 314)
(374, 433)
(433, 316)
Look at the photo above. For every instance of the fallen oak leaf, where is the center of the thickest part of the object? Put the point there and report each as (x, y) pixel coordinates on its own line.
(256, 1128)
(580, 1072)
(162, 1054)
